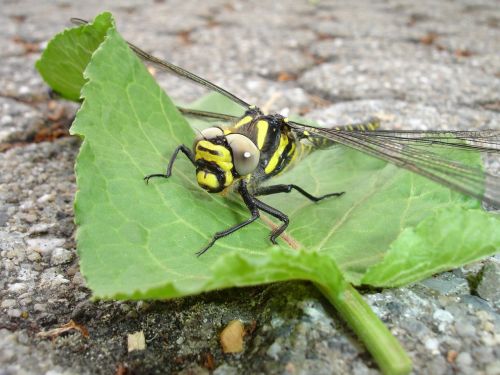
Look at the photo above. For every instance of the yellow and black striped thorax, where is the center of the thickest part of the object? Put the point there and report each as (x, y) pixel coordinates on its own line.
(217, 160)
(274, 139)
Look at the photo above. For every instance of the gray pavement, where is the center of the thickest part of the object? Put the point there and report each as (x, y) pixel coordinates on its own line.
(426, 64)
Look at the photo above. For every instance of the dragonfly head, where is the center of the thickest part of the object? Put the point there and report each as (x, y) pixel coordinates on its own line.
(221, 159)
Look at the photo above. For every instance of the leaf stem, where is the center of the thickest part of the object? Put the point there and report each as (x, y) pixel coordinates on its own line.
(384, 347)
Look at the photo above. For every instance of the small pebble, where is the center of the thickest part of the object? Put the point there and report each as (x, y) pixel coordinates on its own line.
(432, 344)
(45, 246)
(46, 198)
(136, 341)
(493, 368)
(443, 316)
(231, 337)
(274, 350)
(34, 257)
(39, 307)
(40, 228)
(7, 303)
(14, 313)
(60, 256)
(464, 359)
(18, 288)
(465, 329)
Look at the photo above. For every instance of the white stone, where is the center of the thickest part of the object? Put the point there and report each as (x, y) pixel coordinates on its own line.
(443, 316)
(136, 341)
(18, 287)
(45, 198)
(464, 359)
(274, 350)
(45, 246)
(39, 307)
(6, 303)
(40, 228)
(432, 344)
(14, 313)
(60, 256)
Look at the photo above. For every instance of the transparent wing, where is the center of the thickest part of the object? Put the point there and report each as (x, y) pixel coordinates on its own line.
(202, 119)
(433, 154)
(482, 140)
(209, 116)
(176, 70)
(224, 119)
(185, 74)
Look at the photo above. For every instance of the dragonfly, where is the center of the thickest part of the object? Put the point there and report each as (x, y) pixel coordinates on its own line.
(243, 152)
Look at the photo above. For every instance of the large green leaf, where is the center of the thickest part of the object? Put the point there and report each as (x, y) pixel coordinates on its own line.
(137, 240)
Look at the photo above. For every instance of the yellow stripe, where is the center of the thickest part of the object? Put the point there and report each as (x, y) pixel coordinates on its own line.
(362, 127)
(207, 179)
(294, 157)
(229, 178)
(299, 152)
(223, 159)
(276, 156)
(245, 120)
(292, 153)
(262, 127)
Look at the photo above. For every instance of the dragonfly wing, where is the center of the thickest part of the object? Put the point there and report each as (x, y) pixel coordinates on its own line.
(431, 154)
(203, 119)
(209, 116)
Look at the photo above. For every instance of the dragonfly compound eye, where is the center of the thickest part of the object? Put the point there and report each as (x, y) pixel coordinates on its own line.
(208, 133)
(246, 155)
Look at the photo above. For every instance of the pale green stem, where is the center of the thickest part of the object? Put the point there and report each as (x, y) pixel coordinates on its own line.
(384, 347)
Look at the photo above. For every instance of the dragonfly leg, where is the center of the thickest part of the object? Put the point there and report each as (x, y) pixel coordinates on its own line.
(274, 189)
(277, 214)
(251, 204)
(186, 151)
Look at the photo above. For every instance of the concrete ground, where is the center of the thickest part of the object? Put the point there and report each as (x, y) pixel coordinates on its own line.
(426, 64)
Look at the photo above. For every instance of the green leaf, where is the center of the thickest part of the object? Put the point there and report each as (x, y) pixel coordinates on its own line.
(65, 58)
(146, 250)
(449, 239)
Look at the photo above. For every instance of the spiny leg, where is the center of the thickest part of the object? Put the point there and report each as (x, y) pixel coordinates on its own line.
(277, 214)
(250, 202)
(224, 233)
(274, 189)
(186, 152)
